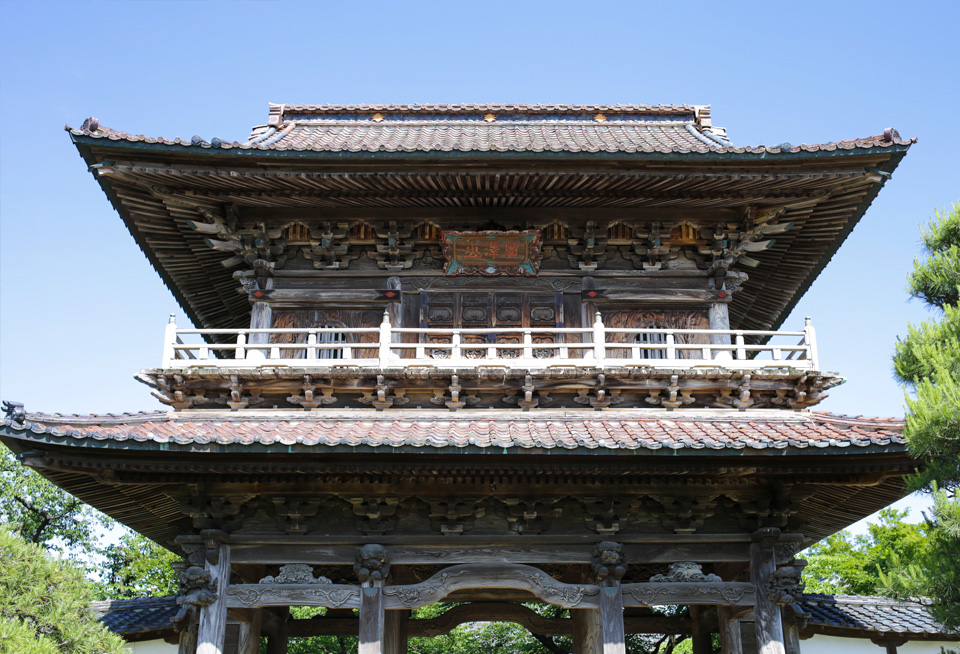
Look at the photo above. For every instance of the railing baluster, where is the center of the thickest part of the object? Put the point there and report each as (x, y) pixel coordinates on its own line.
(386, 337)
(455, 349)
(204, 353)
(671, 346)
(169, 342)
(240, 353)
(312, 345)
(810, 336)
(274, 352)
(741, 351)
(599, 340)
(527, 344)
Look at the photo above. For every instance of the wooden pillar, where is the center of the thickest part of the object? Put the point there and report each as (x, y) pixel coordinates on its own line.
(611, 619)
(277, 641)
(371, 618)
(188, 639)
(250, 634)
(719, 316)
(587, 634)
(791, 638)
(395, 630)
(769, 625)
(261, 317)
(213, 618)
(730, 639)
(701, 637)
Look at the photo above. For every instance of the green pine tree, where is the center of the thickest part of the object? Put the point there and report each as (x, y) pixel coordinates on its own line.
(927, 361)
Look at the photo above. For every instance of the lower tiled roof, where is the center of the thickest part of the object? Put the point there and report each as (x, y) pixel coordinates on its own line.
(875, 614)
(137, 617)
(565, 430)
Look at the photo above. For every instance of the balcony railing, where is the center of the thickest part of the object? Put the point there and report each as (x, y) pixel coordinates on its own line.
(386, 346)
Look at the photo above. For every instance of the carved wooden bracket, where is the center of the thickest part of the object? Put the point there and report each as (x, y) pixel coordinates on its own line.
(455, 516)
(609, 563)
(527, 400)
(329, 249)
(372, 564)
(383, 397)
(375, 515)
(454, 400)
(394, 251)
(588, 247)
(308, 399)
(530, 516)
(603, 514)
(683, 514)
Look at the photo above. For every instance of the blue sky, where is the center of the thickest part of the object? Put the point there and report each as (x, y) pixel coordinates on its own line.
(81, 311)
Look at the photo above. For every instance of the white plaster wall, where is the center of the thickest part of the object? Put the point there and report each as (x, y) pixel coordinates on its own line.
(834, 645)
(151, 647)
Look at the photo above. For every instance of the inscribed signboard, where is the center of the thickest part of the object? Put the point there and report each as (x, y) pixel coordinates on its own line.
(492, 253)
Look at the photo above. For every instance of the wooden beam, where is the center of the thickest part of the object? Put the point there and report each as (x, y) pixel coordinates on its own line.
(731, 593)
(483, 214)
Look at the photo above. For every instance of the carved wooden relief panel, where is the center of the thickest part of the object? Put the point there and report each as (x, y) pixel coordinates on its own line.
(306, 318)
(641, 319)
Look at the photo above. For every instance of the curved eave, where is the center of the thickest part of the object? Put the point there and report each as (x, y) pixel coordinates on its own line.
(40, 436)
(366, 156)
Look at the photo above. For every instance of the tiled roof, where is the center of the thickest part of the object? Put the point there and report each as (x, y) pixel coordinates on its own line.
(565, 430)
(490, 128)
(136, 617)
(867, 613)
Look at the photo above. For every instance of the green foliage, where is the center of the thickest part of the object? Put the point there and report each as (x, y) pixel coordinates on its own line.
(928, 362)
(937, 279)
(137, 567)
(41, 513)
(843, 563)
(44, 604)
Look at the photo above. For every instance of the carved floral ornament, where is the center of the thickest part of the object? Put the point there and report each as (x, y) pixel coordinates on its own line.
(295, 573)
(685, 572)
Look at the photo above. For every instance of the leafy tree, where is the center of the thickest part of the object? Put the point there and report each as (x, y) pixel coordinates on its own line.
(844, 563)
(137, 567)
(41, 513)
(44, 604)
(927, 361)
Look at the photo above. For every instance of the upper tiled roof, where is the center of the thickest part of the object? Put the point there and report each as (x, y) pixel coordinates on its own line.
(137, 617)
(563, 430)
(490, 128)
(867, 613)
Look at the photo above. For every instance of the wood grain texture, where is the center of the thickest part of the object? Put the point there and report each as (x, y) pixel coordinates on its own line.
(213, 618)
(769, 625)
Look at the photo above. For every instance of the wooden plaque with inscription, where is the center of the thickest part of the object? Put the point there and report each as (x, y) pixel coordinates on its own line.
(492, 253)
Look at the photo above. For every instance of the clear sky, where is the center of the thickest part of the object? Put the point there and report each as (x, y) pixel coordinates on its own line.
(81, 310)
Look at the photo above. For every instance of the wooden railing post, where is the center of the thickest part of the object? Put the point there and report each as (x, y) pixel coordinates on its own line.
(455, 340)
(671, 346)
(810, 336)
(240, 353)
(312, 345)
(741, 351)
(527, 344)
(169, 341)
(599, 339)
(386, 337)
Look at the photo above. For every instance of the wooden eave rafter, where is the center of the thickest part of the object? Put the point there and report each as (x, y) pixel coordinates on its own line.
(135, 485)
(826, 193)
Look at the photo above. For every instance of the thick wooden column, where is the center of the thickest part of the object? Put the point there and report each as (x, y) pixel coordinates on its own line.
(250, 634)
(277, 641)
(730, 640)
(701, 637)
(587, 632)
(611, 619)
(791, 638)
(213, 618)
(395, 630)
(769, 625)
(371, 618)
(719, 316)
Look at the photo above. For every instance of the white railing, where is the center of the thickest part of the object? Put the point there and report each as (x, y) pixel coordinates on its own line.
(525, 348)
